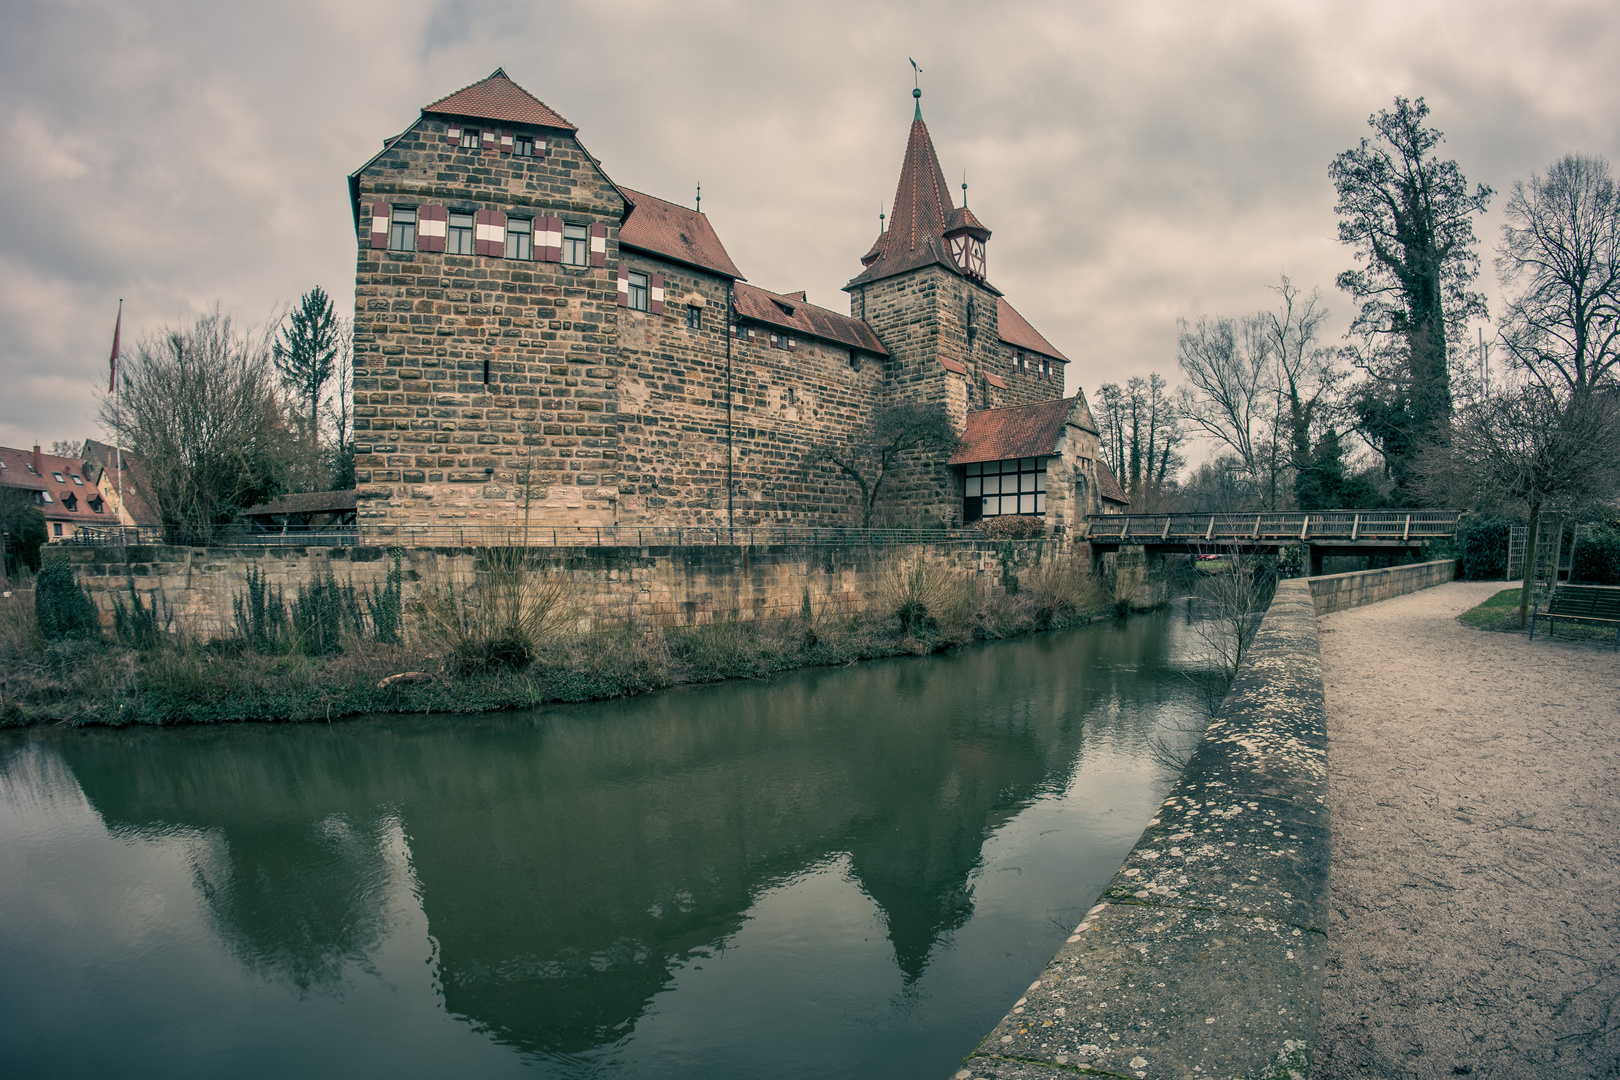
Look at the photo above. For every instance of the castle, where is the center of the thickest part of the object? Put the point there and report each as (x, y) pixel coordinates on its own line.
(536, 342)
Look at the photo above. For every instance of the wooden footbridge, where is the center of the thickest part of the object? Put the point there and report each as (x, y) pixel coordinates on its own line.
(1329, 532)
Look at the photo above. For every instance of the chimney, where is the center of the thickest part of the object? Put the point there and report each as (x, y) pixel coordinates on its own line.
(39, 462)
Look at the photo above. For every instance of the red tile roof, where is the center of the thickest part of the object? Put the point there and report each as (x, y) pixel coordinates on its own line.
(499, 98)
(1107, 487)
(19, 473)
(922, 202)
(1020, 431)
(1015, 330)
(953, 365)
(962, 219)
(674, 232)
(792, 313)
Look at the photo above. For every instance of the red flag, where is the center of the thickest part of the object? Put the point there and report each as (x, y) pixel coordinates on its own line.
(112, 361)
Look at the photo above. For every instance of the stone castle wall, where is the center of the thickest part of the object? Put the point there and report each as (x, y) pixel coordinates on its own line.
(427, 424)
(652, 586)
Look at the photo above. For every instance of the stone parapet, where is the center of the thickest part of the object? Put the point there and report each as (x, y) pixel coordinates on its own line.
(1336, 592)
(1205, 955)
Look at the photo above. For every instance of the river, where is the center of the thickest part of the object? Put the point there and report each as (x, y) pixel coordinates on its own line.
(837, 873)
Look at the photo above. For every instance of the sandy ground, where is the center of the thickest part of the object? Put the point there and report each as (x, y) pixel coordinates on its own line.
(1474, 781)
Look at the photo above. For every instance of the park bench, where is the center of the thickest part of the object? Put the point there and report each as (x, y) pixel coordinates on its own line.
(1595, 604)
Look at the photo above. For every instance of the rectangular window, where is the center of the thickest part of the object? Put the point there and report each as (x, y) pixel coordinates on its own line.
(996, 488)
(460, 238)
(1046, 368)
(523, 146)
(575, 245)
(638, 291)
(519, 239)
(694, 317)
(56, 528)
(59, 478)
(469, 138)
(402, 230)
(76, 480)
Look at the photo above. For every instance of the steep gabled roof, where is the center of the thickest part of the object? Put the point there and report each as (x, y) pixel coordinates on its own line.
(674, 232)
(1015, 330)
(1019, 431)
(917, 223)
(19, 473)
(792, 313)
(138, 505)
(1108, 487)
(499, 98)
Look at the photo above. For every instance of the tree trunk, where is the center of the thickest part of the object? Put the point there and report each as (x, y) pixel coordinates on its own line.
(1529, 565)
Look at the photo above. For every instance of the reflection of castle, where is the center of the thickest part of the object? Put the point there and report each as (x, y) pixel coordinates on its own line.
(568, 868)
(519, 316)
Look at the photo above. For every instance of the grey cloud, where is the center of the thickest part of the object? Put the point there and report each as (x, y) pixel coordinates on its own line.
(1136, 162)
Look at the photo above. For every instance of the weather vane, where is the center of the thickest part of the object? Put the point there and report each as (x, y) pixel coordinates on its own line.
(916, 87)
(964, 187)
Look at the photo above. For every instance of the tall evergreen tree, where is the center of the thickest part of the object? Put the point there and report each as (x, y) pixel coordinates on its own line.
(1409, 217)
(306, 352)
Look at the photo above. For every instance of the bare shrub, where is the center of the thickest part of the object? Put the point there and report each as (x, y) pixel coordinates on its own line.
(930, 600)
(497, 617)
(1011, 527)
(1226, 617)
(1061, 589)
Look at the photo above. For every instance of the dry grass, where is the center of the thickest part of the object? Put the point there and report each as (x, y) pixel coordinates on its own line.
(499, 617)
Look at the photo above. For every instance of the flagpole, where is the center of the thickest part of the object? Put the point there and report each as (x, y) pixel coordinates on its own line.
(118, 447)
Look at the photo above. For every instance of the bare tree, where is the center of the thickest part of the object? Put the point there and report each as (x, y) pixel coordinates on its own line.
(871, 453)
(1538, 445)
(198, 406)
(1561, 248)
(1305, 377)
(528, 485)
(1409, 217)
(340, 408)
(1142, 435)
(1227, 396)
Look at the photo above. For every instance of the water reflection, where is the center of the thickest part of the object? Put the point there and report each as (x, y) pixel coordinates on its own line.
(573, 864)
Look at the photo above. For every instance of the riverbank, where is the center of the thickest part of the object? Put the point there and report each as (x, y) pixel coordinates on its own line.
(176, 680)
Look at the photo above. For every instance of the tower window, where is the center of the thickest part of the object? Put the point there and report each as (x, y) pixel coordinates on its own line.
(469, 138)
(575, 245)
(519, 238)
(638, 291)
(460, 238)
(523, 146)
(402, 230)
(694, 317)
(1046, 368)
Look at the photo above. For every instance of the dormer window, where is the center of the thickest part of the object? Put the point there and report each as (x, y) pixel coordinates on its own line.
(70, 501)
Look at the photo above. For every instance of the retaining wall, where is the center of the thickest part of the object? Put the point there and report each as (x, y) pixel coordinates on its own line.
(1336, 592)
(655, 586)
(1204, 956)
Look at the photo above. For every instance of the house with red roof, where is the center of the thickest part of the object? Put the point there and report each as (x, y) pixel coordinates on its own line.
(64, 488)
(523, 322)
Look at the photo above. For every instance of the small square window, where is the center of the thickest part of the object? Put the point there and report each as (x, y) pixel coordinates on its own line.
(402, 231)
(519, 238)
(694, 317)
(575, 245)
(523, 146)
(638, 291)
(469, 138)
(459, 240)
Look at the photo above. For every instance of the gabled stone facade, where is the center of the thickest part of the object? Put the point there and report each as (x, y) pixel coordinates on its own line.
(638, 380)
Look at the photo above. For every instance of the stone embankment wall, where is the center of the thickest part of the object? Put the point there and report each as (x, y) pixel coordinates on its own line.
(1336, 592)
(653, 586)
(1204, 956)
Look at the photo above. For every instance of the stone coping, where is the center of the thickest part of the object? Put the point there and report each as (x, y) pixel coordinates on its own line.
(1336, 592)
(1205, 955)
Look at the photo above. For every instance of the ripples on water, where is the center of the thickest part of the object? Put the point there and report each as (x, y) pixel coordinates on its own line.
(838, 873)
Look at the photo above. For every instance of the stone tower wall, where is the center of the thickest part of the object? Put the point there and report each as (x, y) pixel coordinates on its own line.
(434, 443)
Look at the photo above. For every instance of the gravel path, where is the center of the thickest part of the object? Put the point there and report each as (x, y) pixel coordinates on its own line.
(1474, 782)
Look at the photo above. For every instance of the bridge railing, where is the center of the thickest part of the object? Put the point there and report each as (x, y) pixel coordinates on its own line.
(1216, 529)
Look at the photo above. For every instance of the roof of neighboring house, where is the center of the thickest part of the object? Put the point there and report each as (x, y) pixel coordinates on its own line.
(919, 217)
(1108, 487)
(305, 502)
(499, 98)
(792, 313)
(1015, 330)
(19, 473)
(139, 506)
(674, 232)
(1019, 431)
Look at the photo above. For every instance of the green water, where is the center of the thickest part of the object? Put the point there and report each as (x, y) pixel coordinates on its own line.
(838, 873)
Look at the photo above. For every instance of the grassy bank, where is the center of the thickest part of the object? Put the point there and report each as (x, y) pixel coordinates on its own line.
(486, 646)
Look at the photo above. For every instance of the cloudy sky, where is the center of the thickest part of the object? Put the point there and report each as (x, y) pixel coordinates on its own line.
(1137, 162)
